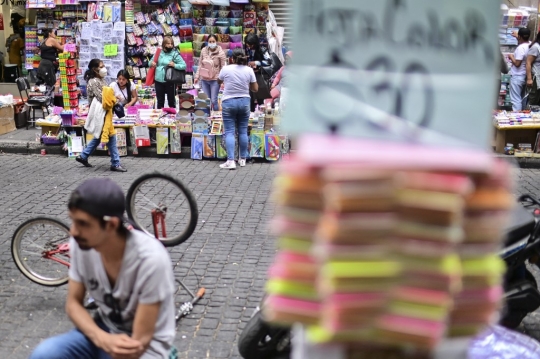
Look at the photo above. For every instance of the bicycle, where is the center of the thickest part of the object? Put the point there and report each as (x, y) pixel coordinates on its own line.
(49, 248)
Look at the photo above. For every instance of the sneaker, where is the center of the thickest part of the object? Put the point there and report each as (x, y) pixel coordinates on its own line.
(83, 161)
(229, 165)
(242, 163)
(118, 169)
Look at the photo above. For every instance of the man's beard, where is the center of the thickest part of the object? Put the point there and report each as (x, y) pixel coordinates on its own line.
(82, 243)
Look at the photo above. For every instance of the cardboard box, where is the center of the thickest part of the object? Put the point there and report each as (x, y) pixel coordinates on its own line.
(7, 122)
(7, 128)
(7, 112)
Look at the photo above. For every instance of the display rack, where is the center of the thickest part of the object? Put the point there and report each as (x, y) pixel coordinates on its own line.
(68, 81)
(31, 44)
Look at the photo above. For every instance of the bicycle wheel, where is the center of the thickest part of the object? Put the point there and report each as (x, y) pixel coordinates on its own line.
(41, 252)
(163, 208)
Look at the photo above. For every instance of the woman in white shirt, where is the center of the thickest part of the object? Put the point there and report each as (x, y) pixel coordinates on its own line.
(239, 80)
(123, 90)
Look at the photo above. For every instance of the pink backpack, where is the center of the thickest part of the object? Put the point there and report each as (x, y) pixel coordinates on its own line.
(207, 69)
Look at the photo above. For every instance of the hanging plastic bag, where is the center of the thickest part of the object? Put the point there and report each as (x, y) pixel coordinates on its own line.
(151, 74)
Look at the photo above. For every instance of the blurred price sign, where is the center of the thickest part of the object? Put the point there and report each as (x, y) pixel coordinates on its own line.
(401, 70)
(110, 50)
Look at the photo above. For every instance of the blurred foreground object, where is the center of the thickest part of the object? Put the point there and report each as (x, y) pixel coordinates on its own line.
(392, 251)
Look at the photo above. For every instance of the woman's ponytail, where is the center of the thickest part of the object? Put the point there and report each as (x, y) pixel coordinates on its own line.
(239, 56)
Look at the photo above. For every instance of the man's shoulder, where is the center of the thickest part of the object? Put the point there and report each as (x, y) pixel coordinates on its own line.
(147, 247)
(523, 47)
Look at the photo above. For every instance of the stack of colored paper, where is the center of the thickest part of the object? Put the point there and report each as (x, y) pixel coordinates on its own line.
(352, 247)
(291, 287)
(486, 214)
(430, 209)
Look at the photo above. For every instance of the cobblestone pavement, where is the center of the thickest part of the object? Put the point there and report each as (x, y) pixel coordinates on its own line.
(228, 254)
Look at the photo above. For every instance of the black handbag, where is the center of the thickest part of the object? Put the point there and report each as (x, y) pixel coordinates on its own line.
(119, 110)
(175, 76)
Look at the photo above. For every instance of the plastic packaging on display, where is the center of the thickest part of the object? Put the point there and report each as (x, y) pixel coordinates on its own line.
(497, 342)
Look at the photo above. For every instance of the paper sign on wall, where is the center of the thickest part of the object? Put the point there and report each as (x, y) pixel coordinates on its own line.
(400, 70)
(86, 31)
(110, 50)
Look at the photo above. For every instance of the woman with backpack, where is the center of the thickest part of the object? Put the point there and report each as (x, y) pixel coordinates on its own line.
(211, 62)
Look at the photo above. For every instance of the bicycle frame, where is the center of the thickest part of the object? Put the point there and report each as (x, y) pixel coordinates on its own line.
(158, 217)
(61, 249)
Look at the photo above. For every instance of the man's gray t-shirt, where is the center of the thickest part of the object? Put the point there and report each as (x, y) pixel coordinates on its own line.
(535, 51)
(236, 79)
(145, 277)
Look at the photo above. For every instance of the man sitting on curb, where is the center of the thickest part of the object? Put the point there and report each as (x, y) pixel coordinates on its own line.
(129, 275)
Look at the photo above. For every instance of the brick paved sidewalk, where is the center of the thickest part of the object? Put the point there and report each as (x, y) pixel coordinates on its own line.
(229, 252)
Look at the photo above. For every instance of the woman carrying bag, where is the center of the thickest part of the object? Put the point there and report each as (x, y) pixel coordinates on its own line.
(212, 60)
(167, 57)
(99, 121)
(258, 57)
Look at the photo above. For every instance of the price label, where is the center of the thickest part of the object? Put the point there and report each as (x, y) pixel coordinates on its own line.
(110, 50)
(399, 70)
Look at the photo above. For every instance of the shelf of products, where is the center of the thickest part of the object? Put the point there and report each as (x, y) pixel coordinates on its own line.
(189, 25)
(31, 45)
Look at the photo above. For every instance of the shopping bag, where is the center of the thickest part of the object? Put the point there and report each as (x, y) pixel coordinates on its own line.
(151, 74)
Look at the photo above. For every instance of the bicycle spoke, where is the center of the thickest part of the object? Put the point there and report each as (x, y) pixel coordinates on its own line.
(152, 203)
(148, 209)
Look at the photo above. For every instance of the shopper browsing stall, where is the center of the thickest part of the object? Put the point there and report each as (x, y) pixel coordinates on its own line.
(211, 62)
(48, 65)
(239, 80)
(518, 71)
(533, 70)
(124, 91)
(258, 56)
(168, 57)
(99, 121)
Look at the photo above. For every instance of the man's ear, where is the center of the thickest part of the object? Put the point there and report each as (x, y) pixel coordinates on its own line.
(114, 223)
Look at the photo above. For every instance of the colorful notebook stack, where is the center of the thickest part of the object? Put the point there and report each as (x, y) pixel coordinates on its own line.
(291, 286)
(486, 215)
(430, 210)
(394, 252)
(353, 251)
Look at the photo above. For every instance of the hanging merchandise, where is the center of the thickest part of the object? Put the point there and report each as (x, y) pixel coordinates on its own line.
(176, 143)
(31, 45)
(197, 146)
(68, 81)
(162, 139)
(189, 23)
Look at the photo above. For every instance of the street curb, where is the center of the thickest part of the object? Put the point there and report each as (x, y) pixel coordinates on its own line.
(31, 147)
(27, 147)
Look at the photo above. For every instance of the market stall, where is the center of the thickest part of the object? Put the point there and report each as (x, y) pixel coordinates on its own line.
(167, 132)
(127, 37)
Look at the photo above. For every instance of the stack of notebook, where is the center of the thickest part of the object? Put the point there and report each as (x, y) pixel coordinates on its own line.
(353, 251)
(486, 214)
(430, 226)
(291, 287)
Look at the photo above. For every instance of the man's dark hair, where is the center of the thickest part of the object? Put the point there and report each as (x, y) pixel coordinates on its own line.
(524, 33)
(76, 201)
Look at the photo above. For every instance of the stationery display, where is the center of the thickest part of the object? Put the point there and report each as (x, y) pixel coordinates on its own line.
(387, 252)
(68, 81)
